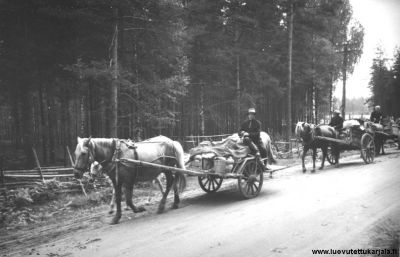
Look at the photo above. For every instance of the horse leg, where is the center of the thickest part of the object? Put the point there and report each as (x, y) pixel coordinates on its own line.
(337, 155)
(112, 203)
(377, 147)
(314, 156)
(160, 186)
(305, 149)
(125, 193)
(118, 197)
(169, 177)
(324, 154)
(128, 196)
(176, 192)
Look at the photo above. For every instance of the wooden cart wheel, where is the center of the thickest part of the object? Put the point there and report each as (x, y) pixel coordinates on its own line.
(251, 182)
(367, 148)
(330, 156)
(210, 184)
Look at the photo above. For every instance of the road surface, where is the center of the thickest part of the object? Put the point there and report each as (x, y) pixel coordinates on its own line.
(338, 208)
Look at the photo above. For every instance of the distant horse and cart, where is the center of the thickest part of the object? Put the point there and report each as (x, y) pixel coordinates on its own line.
(367, 137)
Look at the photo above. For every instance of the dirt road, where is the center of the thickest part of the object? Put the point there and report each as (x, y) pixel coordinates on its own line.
(344, 208)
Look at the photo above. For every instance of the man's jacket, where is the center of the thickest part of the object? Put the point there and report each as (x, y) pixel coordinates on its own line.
(337, 122)
(376, 116)
(253, 127)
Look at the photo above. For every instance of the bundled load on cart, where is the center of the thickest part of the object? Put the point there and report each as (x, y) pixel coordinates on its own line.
(229, 158)
(218, 156)
(352, 131)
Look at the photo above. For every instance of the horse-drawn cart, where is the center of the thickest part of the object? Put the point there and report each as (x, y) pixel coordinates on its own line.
(354, 137)
(248, 171)
(382, 132)
(127, 162)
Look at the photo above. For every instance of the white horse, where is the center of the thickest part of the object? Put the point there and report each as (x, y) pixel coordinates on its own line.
(160, 150)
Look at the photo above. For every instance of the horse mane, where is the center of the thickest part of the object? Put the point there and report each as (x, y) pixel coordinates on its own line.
(102, 142)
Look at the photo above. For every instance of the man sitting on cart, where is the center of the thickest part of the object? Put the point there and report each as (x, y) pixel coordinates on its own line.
(376, 115)
(250, 131)
(337, 122)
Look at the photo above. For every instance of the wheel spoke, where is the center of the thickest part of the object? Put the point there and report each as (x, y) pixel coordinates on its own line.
(247, 188)
(213, 184)
(209, 185)
(252, 189)
(207, 181)
(255, 186)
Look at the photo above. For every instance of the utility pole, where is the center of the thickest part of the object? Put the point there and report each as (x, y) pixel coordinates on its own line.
(202, 118)
(238, 90)
(345, 54)
(289, 92)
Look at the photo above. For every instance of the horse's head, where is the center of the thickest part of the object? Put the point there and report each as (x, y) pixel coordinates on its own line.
(83, 156)
(304, 131)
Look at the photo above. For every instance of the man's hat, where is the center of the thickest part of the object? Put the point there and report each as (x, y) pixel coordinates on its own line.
(336, 111)
(252, 110)
(377, 107)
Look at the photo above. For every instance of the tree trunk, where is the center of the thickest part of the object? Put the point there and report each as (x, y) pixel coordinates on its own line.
(16, 120)
(52, 124)
(44, 123)
(114, 84)
(65, 127)
(289, 88)
(27, 125)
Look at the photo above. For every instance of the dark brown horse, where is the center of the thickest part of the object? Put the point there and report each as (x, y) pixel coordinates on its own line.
(307, 133)
(160, 150)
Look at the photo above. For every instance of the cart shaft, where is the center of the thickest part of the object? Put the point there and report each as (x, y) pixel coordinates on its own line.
(160, 166)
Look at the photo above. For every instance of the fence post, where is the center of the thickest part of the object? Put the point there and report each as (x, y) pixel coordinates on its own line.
(38, 164)
(70, 157)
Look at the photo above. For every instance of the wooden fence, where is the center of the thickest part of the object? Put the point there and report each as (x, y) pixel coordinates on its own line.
(11, 179)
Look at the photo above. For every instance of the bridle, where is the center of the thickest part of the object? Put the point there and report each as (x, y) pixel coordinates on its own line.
(91, 158)
(308, 137)
(89, 162)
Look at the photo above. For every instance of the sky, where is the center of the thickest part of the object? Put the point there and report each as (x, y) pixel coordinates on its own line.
(381, 22)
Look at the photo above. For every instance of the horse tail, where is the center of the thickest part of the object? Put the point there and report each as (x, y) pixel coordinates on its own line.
(181, 181)
(268, 145)
(180, 155)
(271, 158)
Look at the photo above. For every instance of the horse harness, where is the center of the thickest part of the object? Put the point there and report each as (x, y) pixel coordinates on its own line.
(310, 136)
(131, 145)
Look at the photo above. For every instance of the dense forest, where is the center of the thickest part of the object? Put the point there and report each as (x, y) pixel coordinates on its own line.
(139, 68)
(385, 83)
